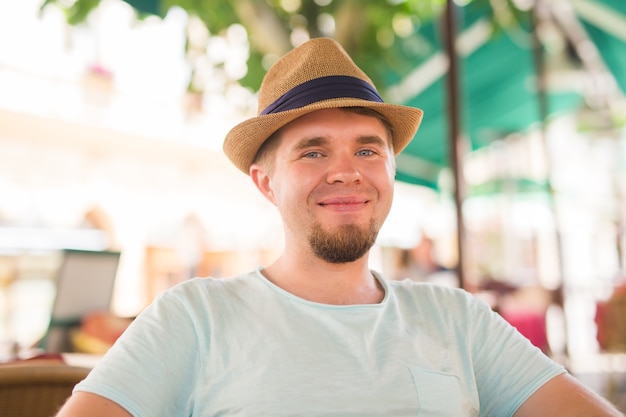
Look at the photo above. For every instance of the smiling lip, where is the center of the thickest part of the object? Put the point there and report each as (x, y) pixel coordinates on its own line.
(344, 204)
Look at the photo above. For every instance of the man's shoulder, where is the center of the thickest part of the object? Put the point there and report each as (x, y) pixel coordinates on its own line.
(432, 293)
(424, 287)
(200, 285)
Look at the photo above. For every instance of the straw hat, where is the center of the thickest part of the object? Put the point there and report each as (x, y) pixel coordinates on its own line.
(316, 75)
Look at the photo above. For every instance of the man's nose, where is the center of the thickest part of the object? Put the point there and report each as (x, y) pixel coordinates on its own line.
(344, 170)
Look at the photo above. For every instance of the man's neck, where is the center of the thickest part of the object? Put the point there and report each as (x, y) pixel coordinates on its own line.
(322, 282)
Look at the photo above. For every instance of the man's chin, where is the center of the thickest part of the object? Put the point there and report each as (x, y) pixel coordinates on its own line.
(343, 244)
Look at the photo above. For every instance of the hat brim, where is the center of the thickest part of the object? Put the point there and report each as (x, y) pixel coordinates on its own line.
(244, 140)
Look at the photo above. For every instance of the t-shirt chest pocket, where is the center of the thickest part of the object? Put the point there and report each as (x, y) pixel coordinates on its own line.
(439, 394)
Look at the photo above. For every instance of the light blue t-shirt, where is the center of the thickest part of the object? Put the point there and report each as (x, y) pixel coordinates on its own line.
(242, 346)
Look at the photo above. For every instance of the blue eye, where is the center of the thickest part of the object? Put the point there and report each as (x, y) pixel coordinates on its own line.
(312, 154)
(365, 152)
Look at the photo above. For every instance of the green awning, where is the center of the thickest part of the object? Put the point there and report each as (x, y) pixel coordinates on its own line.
(498, 89)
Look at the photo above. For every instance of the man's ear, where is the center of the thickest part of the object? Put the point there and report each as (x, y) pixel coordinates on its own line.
(262, 181)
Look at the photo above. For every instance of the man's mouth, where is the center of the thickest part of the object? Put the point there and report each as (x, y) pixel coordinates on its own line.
(344, 203)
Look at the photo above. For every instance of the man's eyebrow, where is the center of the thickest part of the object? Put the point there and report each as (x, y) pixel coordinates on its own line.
(374, 140)
(320, 141)
(309, 142)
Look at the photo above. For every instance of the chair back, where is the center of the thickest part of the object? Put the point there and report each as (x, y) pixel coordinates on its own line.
(36, 390)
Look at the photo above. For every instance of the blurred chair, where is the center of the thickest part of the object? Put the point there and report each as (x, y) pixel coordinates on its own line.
(165, 267)
(610, 320)
(36, 389)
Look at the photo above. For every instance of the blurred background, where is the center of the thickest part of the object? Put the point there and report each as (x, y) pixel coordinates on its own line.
(112, 116)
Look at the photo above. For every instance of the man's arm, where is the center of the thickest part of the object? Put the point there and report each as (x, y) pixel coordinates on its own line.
(86, 404)
(564, 396)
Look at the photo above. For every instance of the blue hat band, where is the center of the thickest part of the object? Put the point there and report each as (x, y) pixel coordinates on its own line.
(324, 88)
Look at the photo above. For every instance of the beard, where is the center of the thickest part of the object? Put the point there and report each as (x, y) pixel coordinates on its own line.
(347, 244)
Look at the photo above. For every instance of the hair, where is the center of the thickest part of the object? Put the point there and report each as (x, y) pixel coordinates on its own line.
(263, 155)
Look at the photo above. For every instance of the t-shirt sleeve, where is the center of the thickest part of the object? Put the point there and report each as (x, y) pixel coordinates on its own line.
(507, 367)
(150, 371)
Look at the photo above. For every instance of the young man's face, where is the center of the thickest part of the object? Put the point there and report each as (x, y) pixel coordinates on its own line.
(332, 180)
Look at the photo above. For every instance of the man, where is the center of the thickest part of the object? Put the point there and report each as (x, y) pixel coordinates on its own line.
(317, 333)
